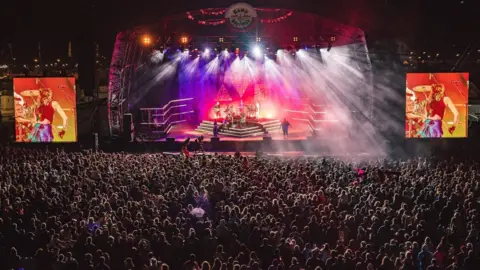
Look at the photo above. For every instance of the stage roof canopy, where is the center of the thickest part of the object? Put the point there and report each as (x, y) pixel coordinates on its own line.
(273, 27)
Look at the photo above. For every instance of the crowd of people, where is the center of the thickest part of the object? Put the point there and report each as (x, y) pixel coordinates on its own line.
(87, 210)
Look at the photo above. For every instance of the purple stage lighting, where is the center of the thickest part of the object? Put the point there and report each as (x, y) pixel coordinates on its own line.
(206, 52)
(257, 52)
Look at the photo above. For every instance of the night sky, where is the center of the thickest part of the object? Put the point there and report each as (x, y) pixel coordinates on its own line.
(54, 23)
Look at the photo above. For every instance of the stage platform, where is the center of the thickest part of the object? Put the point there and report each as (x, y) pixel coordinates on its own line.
(182, 132)
(264, 135)
(250, 129)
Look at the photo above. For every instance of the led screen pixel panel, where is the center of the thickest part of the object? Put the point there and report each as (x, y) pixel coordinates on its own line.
(45, 110)
(436, 105)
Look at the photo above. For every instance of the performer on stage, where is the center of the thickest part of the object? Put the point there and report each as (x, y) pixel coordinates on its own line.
(228, 110)
(285, 125)
(437, 102)
(243, 119)
(43, 131)
(257, 112)
(217, 111)
(228, 121)
(215, 129)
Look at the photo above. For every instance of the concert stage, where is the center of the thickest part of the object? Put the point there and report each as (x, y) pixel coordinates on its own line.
(249, 69)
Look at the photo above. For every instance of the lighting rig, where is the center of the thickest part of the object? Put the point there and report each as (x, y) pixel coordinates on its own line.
(257, 48)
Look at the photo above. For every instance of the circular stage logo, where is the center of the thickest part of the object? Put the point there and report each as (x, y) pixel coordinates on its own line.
(241, 15)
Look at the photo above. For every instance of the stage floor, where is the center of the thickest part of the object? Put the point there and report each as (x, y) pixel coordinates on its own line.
(185, 131)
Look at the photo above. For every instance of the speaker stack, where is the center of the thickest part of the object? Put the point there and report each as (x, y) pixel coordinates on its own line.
(95, 142)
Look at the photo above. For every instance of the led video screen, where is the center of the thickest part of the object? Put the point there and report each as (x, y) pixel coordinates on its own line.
(45, 110)
(436, 105)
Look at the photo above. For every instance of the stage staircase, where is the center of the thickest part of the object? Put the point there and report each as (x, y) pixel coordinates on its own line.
(252, 130)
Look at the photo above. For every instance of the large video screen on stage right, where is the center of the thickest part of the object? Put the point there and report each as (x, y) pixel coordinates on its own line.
(436, 105)
(45, 110)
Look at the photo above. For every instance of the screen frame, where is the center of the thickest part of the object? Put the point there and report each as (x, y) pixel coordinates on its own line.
(76, 111)
(467, 105)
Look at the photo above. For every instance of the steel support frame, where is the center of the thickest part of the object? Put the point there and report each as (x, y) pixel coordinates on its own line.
(119, 80)
(365, 67)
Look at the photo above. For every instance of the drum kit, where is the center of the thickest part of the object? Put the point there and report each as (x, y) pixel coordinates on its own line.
(249, 111)
(234, 116)
(30, 93)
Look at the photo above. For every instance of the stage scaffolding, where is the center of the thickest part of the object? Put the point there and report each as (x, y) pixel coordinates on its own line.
(129, 56)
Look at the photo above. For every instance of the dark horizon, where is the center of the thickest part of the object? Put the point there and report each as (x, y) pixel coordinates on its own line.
(428, 25)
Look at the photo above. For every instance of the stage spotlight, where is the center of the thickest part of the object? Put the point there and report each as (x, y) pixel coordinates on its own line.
(156, 57)
(146, 40)
(184, 40)
(257, 52)
(206, 52)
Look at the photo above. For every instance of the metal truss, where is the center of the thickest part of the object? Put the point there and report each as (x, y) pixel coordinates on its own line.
(119, 80)
(362, 59)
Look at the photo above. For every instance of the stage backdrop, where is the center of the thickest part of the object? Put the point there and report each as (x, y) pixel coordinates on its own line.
(236, 81)
(45, 110)
(424, 101)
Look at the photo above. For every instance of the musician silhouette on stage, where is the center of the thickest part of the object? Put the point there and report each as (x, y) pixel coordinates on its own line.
(217, 111)
(285, 125)
(216, 129)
